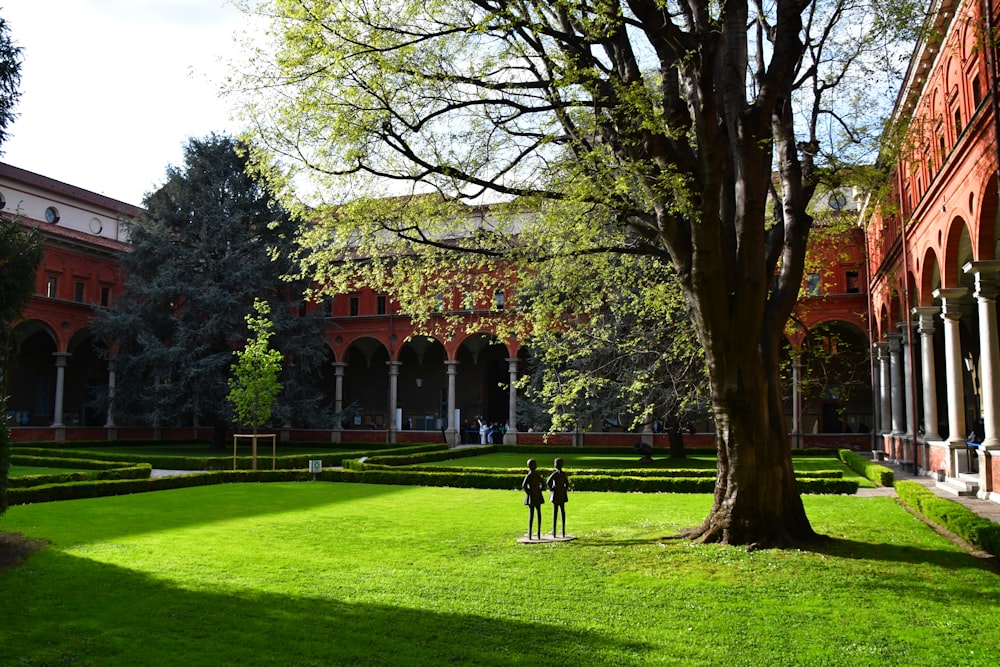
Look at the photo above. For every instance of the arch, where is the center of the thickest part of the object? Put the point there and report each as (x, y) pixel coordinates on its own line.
(32, 378)
(366, 384)
(836, 378)
(422, 389)
(930, 277)
(988, 242)
(483, 377)
(957, 251)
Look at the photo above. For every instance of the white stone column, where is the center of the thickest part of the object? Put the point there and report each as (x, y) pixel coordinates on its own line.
(885, 409)
(908, 370)
(797, 398)
(110, 421)
(339, 367)
(950, 315)
(985, 274)
(896, 378)
(454, 432)
(62, 358)
(510, 437)
(928, 377)
(393, 396)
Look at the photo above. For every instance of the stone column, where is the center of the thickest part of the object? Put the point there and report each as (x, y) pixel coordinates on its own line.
(950, 315)
(510, 438)
(393, 396)
(454, 432)
(896, 379)
(339, 367)
(110, 421)
(797, 399)
(908, 371)
(885, 409)
(985, 274)
(62, 358)
(928, 378)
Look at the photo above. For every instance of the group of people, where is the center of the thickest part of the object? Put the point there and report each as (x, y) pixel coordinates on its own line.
(490, 433)
(534, 496)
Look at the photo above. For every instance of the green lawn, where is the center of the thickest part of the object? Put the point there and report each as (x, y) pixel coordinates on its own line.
(323, 574)
(24, 471)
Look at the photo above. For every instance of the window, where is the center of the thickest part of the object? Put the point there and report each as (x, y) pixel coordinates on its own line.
(105, 296)
(380, 304)
(977, 91)
(355, 306)
(853, 284)
(303, 310)
(498, 300)
(327, 307)
(78, 292)
(958, 123)
(50, 288)
(812, 284)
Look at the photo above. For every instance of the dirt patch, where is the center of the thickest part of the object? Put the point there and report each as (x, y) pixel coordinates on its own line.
(15, 547)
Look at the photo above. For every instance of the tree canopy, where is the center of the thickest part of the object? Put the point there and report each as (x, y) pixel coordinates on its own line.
(20, 250)
(212, 241)
(692, 132)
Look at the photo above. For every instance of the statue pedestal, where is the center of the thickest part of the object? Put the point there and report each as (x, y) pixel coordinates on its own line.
(546, 539)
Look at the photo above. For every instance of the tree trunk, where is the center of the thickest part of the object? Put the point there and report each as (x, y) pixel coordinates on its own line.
(757, 500)
(676, 439)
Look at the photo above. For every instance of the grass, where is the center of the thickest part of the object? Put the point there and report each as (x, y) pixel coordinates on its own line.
(323, 574)
(24, 471)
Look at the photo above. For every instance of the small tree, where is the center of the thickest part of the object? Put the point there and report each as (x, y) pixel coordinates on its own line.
(254, 385)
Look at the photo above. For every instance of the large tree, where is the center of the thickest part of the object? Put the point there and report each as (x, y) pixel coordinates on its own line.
(692, 131)
(211, 242)
(20, 251)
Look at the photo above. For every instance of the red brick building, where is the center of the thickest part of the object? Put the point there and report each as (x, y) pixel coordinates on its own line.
(933, 259)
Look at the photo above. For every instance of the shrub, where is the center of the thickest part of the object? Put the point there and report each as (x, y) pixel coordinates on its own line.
(948, 514)
(873, 471)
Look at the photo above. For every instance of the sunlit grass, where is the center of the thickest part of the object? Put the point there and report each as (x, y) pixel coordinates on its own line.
(320, 574)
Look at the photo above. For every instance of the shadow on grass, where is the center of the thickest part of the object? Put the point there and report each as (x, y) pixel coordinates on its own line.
(62, 609)
(896, 553)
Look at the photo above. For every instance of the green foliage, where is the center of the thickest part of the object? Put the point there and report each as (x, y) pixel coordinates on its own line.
(254, 384)
(10, 79)
(212, 242)
(20, 257)
(877, 473)
(138, 471)
(948, 514)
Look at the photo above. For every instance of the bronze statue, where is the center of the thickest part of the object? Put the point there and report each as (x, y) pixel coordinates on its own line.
(558, 484)
(533, 496)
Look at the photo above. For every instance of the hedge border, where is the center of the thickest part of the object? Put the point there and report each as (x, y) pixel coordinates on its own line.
(869, 469)
(974, 529)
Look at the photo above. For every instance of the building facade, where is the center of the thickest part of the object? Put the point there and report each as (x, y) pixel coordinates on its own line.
(933, 259)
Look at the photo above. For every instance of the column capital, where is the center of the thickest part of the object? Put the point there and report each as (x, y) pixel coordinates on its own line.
(895, 343)
(990, 266)
(394, 367)
(985, 275)
(925, 317)
(62, 358)
(451, 366)
(949, 301)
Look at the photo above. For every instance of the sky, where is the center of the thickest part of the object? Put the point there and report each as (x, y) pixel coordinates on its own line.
(111, 90)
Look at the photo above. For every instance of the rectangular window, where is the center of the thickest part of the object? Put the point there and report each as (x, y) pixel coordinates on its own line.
(327, 307)
(105, 296)
(380, 304)
(958, 123)
(50, 287)
(853, 283)
(355, 306)
(812, 284)
(303, 310)
(78, 292)
(498, 300)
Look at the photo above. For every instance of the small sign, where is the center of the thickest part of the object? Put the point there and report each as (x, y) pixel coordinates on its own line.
(315, 466)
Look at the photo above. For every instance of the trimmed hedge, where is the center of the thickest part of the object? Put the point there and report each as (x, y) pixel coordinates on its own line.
(138, 471)
(873, 471)
(948, 514)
